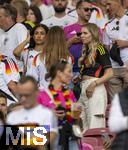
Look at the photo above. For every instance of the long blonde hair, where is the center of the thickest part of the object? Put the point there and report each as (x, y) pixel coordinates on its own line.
(55, 46)
(94, 30)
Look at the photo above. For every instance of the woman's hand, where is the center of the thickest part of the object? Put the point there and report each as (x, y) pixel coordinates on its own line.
(76, 110)
(90, 89)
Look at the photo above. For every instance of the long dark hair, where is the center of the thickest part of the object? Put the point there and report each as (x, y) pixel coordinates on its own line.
(37, 13)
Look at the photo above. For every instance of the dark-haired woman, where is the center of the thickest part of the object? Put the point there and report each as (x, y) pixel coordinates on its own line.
(36, 46)
(34, 15)
(55, 48)
(61, 99)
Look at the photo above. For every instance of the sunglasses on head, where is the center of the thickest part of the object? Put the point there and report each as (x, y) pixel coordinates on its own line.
(88, 9)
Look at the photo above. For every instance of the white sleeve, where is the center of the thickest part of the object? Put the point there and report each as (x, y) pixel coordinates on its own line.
(33, 71)
(10, 72)
(22, 33)
(117, 121)
(106, 39)
(93, 17)
(52, 121)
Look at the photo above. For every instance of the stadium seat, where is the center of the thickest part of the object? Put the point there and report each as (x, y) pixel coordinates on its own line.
(97, 133)
(90, 140)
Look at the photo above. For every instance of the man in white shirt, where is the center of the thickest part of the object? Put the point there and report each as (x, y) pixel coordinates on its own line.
(9, 76)
(14, 34)
(118, 120)
(32, 113)
(97, 17)
(1, 31)
(116, 31)
(60, 18)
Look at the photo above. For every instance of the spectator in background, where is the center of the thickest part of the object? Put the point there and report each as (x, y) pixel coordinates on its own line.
(95, 69)
(55, 48)
(14, 34)
(84, 11)
(36, 46)
(46, 11)
(32, 114)
(22, 11)
(71, 7)
(60, 18)
(9, 76)
(99, 15)
(116, 33)
(118, 120)
(3, 104)
(72, 32)
(34, 15)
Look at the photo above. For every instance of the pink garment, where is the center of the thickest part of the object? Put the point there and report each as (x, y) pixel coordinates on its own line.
(47, 2)
(47, 101)
(71, 30)
(86, 146)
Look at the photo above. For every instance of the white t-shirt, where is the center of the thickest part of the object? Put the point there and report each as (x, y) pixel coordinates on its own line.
(71, 11)
(27, 57)
(1, 31)
(98, 18)
(10, 39)
(62, 22)
(38, 115)
(8, 72)
(38, 71)
(118, 122)
(46, 11)
(122, 34)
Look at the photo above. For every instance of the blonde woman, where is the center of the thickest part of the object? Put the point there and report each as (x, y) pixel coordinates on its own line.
(95, 69)
(55, 49)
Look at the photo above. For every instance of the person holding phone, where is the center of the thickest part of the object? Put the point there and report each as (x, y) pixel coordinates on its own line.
(84, 10)
(60, 98)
